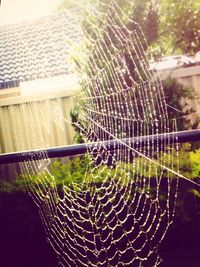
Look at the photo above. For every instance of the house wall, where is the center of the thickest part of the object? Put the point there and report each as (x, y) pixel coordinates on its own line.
(189, 76)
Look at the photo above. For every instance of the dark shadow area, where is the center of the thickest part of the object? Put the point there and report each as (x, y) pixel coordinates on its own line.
(23, 242)
(181, 246)
(22, 237)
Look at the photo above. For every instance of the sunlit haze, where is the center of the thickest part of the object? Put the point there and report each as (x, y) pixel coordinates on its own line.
(13, 11)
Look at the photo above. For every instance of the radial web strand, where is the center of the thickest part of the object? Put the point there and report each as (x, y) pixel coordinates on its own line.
(120, 213)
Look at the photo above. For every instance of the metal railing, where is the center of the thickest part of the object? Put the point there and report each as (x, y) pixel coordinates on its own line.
(78, 149)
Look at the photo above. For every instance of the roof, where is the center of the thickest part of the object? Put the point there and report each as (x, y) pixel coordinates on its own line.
(37, 49)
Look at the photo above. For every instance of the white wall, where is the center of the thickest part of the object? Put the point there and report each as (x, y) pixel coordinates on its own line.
(189, 76)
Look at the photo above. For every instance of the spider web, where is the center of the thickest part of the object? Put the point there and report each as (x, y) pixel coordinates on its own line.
(132, 197)
(121, 212)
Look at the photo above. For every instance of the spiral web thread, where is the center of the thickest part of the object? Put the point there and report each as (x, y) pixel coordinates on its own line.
(121, 212)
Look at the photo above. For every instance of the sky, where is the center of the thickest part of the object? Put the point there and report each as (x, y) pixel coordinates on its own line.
(13, 11)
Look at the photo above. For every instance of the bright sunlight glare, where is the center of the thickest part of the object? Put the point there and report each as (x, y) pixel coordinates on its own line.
(14, 11)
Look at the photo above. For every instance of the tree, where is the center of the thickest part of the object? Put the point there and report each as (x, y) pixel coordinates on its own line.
(170, 26)
(180, 26)
(157, 20)
(152, 22)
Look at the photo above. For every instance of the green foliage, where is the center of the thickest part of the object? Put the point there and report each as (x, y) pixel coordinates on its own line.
(169, 25)
(71, 172)
(185, 161)
(189, 161)
(180, 22)
(196, 193)
(152, 23)
(195, 163)
(75, 169)
(76, 123)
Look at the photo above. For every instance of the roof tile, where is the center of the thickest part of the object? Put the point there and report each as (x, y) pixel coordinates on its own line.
(38, 48)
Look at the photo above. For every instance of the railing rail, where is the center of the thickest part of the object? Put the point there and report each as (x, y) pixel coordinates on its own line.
(78, 149)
